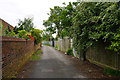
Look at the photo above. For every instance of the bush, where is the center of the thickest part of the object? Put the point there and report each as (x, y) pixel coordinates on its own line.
(11, 34)
(112, 72)
(23, 34)
(56, 46)
(36, 33)
(95, 22)
(69, 52)
(8, 32)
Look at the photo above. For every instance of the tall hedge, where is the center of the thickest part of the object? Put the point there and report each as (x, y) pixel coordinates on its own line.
(96, 21)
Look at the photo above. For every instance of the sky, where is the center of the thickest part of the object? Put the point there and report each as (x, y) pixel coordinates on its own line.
(13, 10)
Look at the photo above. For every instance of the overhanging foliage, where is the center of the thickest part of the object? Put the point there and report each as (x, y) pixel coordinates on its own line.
(87, 23)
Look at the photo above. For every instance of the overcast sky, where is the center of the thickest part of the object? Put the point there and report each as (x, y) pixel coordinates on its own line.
(12, 10)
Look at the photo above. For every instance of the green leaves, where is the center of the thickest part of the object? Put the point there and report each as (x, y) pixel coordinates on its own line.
(60, 19)
(22, 34)
(11, 34)
(63, 33)
(26, 24)
(36, 33)
(94, 22)
(87, 23)
(46, 36)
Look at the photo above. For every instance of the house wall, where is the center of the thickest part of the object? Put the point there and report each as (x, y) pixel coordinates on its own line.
(5, 24)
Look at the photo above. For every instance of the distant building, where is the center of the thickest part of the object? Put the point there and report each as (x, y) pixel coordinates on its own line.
(4, 25)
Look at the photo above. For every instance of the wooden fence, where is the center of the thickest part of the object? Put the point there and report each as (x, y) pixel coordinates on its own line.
(63, 44)
(102, 57)
(95, 54)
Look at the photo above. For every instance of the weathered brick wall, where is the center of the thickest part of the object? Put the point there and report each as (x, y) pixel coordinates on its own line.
(37, 46)
(0, 58)
(15, 52)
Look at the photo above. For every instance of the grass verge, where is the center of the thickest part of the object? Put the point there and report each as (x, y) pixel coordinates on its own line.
(36, 55)
(56, 47)
(46, 44)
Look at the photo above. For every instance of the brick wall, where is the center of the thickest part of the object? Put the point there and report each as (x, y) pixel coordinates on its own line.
(15, 52)
(37, 46)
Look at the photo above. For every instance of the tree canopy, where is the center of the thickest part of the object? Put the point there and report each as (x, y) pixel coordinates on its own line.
(26, 27)
(87, 23)
(94, 22)
(60, 19)
(26, 24)
(37, 34)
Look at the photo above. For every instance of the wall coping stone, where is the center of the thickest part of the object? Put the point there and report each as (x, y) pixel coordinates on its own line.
(4, 38)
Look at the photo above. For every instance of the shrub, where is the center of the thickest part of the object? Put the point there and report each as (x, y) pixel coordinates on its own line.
(8, 32)
(69, 52)
(11, 34)
(22, 34)
(56, 46)
(112, 72)
(36, 33)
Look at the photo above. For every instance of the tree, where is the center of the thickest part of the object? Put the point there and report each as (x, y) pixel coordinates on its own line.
(67, 15)
(46, 36)
(60, 19)
(63, 33)
(36, 33)
(17, 29)
(8, 32)
(26, 24)
(53, 22)
(87, 23)
(95, 22)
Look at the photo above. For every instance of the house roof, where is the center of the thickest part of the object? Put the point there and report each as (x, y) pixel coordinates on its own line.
(6, 22)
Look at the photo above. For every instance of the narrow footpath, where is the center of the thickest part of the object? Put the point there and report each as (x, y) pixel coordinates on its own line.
(53, 64)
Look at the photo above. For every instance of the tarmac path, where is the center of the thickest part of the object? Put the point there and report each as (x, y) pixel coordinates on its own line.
(54, 64)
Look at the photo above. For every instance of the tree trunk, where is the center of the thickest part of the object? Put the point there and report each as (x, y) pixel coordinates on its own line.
(82, 55)
(58, 31)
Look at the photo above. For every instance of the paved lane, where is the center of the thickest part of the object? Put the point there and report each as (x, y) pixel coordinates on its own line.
(54, 64)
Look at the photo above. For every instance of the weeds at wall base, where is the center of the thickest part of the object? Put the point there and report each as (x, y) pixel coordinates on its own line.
(46, 44)
(56, 47)
(36, 55)
(112, 72)
(69, 52)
